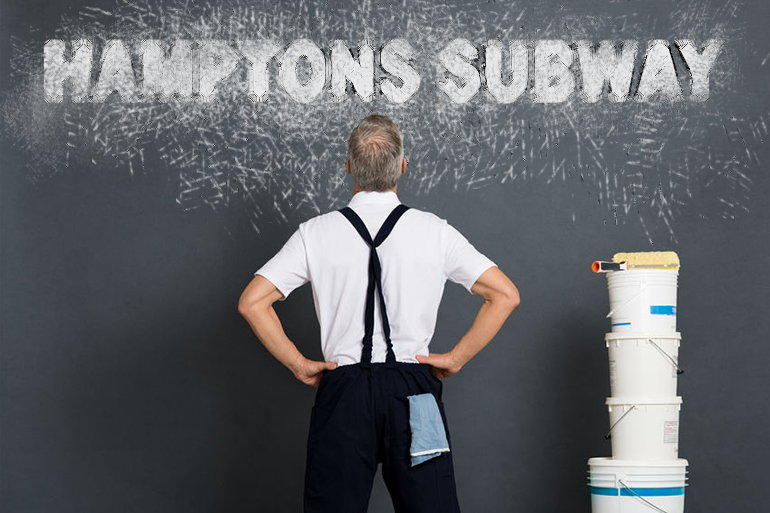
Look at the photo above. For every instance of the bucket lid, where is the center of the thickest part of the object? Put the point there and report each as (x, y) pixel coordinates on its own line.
(616, 401)
(610, 462)
(630, 335)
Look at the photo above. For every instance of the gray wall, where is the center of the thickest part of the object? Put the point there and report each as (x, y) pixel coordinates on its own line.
(129, 382)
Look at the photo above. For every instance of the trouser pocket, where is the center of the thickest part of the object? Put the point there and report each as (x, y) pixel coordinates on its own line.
(426, 487)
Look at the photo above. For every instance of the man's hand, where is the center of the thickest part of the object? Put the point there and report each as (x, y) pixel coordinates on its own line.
(310, 372)
(443, 364)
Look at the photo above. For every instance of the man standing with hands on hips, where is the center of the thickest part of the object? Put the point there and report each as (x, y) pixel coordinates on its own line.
(377, 270)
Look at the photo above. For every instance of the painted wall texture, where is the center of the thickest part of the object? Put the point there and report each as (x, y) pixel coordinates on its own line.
(156, 153)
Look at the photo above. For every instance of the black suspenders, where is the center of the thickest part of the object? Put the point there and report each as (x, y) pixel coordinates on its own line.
(375, 279)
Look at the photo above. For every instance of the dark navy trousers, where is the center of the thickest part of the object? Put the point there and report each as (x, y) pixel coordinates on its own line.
(361, 418)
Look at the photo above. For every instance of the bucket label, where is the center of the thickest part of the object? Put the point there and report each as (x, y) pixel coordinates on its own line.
(612, 373)
(662, 310)
(671, 432)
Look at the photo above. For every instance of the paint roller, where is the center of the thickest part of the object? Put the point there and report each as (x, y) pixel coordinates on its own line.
(642, 260)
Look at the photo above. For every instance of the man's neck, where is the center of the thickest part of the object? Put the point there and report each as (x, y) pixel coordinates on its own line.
(356, 190)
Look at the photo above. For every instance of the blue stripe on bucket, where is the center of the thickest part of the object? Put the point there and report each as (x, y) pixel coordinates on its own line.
(663, 310)
(622, 324)
(644, 492)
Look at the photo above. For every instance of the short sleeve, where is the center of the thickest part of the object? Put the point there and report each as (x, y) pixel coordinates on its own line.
(288, 269)
(463, 263)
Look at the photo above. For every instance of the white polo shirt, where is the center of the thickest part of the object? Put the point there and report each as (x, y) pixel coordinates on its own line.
(419, 255)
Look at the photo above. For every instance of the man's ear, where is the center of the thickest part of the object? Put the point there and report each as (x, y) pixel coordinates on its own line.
(403, 165)
(347, 165)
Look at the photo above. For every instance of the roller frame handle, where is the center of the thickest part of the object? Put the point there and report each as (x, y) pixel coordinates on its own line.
(602, 267)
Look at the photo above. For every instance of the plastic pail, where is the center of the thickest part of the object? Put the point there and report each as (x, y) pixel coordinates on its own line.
(622, 486)
(643, 365)
(643, 301)
(644, 428)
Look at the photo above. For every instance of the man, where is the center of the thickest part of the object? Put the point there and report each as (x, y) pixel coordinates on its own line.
(376, 255)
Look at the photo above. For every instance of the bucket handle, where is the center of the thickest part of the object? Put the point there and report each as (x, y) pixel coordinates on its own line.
(609, 433)
(612, 312)
(653, 506)
(679, 370)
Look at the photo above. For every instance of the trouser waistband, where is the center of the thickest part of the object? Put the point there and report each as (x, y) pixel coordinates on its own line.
(420, 367)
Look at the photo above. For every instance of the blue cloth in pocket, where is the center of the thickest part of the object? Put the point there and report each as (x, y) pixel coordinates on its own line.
(428, 434)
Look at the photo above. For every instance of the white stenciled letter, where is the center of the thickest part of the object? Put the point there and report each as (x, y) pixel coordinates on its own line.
(658, 74)
(394, 58)
(553, 79)
(287, 76)
(456, 59)
(57, 70)
(218, 61)
(345, 67)
(516, 63)
(116, 73)
(167, 75)
(606, 66)
(259, 53)
(699, 65)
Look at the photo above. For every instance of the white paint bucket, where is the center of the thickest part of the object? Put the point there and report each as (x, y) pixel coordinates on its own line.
(622, 486)
(643, 301)
(644, 428)
(643, 365)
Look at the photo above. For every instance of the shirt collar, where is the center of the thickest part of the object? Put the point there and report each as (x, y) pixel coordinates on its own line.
(374, 197)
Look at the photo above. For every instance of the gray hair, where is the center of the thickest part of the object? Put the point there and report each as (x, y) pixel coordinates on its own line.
(375, 151)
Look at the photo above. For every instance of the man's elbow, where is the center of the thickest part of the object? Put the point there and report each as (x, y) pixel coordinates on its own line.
(258, 297)
(244, 306)
(512, 298)
(248, 305)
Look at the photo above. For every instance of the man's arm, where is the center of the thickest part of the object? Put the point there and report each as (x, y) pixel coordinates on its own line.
(501, 297)
(256, 306)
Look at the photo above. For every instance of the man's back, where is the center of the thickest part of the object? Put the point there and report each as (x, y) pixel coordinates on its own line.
(377, 401)
(417, 258)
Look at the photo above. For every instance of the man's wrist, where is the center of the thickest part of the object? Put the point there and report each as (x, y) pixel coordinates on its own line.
(457, 360)
(297, 364)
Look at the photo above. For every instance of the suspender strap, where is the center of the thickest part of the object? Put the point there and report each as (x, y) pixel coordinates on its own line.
(375, 279)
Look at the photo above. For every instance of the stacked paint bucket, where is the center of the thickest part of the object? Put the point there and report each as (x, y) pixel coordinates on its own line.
(645, 473)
